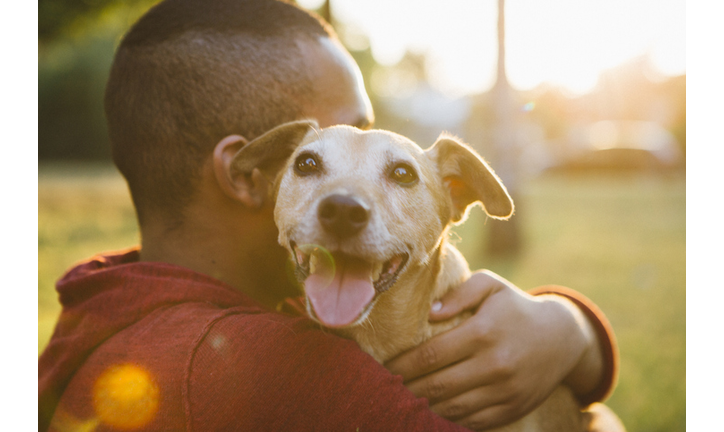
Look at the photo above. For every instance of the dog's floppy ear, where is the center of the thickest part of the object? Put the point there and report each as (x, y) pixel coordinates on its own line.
(469, 180)
(270, 151)
(244, 169)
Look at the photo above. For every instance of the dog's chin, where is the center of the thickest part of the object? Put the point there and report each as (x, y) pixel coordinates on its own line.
(314, 262)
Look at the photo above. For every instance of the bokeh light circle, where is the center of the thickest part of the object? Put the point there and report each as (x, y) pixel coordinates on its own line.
(125, 397)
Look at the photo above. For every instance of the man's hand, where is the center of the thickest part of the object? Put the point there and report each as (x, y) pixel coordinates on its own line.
(506, 359)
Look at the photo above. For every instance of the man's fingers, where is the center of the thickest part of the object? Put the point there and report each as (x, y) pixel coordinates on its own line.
(494, 416)
(448, 383)
(470, 403)
(440, 351)
(467, 296)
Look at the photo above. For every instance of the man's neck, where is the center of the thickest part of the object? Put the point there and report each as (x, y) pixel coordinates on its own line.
(246, 257)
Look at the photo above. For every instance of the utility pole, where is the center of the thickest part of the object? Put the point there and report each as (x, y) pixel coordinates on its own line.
(504, 238)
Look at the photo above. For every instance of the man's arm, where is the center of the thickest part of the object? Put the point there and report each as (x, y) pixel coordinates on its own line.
(607, 348)
(510, 355)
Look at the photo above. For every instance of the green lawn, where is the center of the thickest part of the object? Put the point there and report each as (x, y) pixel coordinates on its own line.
(82, 210)
(619, 240)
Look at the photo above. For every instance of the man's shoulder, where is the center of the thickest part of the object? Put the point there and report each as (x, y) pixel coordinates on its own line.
(237, 331)
(278, 372)
(277, 349)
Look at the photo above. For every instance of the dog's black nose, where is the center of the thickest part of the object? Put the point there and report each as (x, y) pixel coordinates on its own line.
(342, 215)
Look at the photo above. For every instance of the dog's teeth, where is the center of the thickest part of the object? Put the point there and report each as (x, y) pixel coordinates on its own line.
(313, 263)
(376, 271)
(394, 264)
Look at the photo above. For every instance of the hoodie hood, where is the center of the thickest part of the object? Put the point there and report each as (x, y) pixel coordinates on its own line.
(106, 294)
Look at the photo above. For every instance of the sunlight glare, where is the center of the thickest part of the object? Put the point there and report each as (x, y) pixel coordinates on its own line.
(567, 43)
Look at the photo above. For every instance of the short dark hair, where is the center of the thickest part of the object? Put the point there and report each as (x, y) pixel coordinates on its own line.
(191, 72)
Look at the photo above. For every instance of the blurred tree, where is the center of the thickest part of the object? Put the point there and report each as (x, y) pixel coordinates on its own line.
(57, 17)
(54, 16)
(674, 90)
(76, 42)
(71, 124)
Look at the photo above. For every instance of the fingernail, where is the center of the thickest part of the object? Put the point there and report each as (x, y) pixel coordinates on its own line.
(437, 306)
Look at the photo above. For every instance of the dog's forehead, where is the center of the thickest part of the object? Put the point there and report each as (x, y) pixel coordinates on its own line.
(354, 144)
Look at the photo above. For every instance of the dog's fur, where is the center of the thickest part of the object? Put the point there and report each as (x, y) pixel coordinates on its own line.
(406, 217)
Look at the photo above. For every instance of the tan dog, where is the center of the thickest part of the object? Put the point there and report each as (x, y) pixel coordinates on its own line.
(365, 216)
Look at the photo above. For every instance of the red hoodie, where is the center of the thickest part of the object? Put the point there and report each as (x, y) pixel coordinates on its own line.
(153, 346)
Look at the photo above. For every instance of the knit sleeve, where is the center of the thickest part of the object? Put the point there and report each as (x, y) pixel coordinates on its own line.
(606, 338)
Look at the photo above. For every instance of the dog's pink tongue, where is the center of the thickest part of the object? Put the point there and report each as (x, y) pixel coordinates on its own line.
(338, 303)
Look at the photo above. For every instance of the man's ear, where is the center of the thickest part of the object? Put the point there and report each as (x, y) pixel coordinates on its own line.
(241, 188)
(244, 170)
(469, 180)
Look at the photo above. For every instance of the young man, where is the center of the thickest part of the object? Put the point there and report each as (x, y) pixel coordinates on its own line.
(183, 333)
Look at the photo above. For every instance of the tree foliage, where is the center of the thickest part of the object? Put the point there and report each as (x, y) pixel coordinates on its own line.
(76, 42)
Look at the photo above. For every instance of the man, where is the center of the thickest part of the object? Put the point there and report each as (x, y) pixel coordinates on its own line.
(182, 333)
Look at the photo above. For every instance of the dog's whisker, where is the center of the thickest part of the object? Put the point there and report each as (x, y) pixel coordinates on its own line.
(319, 136)
(367, 322)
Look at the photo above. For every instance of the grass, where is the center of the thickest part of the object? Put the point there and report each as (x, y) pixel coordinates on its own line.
(82, 210)
(621, 241)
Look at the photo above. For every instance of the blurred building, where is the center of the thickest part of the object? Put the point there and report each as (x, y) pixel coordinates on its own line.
(621, 144)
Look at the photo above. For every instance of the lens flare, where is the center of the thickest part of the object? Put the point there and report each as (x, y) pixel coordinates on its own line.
(321, 262)
(125, 397)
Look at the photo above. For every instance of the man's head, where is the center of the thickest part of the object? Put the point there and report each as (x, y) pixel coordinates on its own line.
(191, 72)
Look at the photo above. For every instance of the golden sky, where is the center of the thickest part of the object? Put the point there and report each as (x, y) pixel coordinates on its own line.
(563, 42)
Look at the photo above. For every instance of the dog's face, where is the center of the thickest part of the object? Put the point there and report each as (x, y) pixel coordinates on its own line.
(358, 209)
(374, 203)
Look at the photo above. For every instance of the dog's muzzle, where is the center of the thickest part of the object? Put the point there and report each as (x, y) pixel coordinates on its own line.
(342, 288)
(342, 215)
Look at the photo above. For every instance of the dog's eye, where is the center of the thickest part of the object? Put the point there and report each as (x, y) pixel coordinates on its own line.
(306, 163)
(403, 174)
